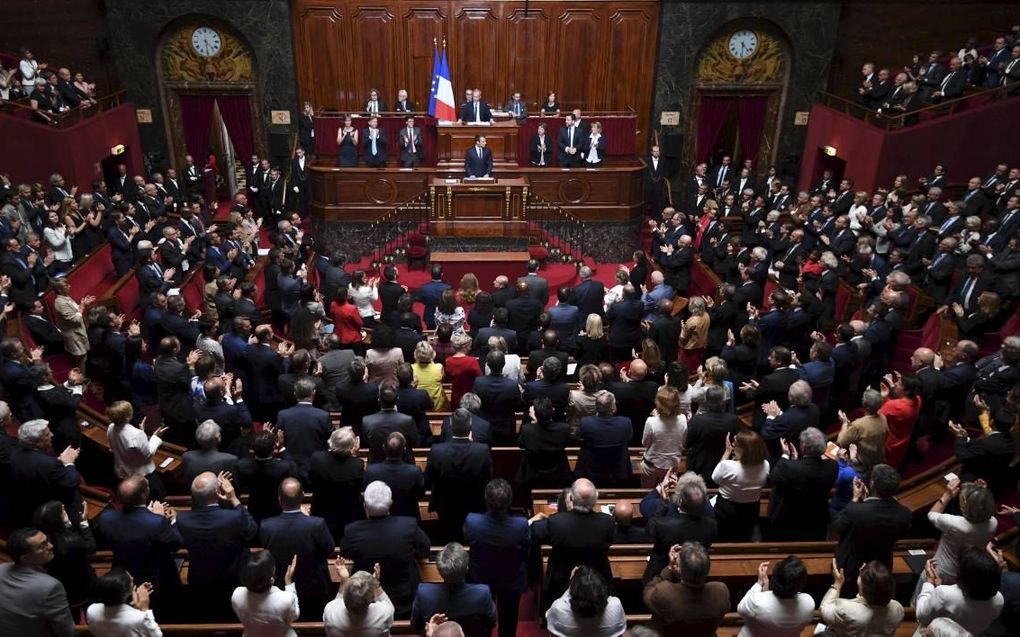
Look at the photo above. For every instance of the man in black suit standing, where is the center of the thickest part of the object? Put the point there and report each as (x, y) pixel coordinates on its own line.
(604, 438)
(457, 472)
(588, 295)
(357, 397)
(774, 386)
(988, 458)
(390, 292)
(173, 388)
(538, 287)
(374, 145)
(306, 428)
(44, 333)
(501, 398)
(869, 526)
(481, 430)
(404, 479)
(635, 397)
(550, 386)
(476, 110)
(36, 476)
(261, 475)
(655, 191)
(299, 181)
(799, 506)
(336, 477)
(523, 312)
(377, 427)
(541, 147)
(707, 431)
(294, 535)
(265, 365)
(478, 159)
(570, 142)
(411, 145)
(412, 401)
(394, 542)
(579, 536)
(233, 417)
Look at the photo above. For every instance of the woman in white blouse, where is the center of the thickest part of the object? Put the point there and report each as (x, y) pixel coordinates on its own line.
(363, 294)
(29, 68)
(264, 609)
(449, 313)
(778, 608)
(873, 612)
(858, 212)
(663, 438)
(615, 293)
(512, 368)
(974, 602)
(132, 449)
(740, 474)
(58, 239)
(122, 609)
(975, 525)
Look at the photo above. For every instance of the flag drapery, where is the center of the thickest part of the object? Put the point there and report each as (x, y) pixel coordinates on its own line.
(445, 107)
(435, 80)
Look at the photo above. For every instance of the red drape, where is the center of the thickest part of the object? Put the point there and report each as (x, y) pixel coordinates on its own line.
(751, 112)
(712, 110)
(236, 113)
(196, 117)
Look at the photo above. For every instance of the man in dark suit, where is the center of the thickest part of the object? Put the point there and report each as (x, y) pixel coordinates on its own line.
(788, 262)
(579, 536)
(665, 330)
(787, 424)
(207, 457)
(405, 479)
(707, 431)
(305, 428)
(151, 276)
(374, 145)
(774, 386)
(390, 292)
(870, 525)
(143, 542)
(676, 261)
(44, 333)
(538, 287)
(457, 472)
(414, 402)
(517, 107)
(478, 159)
(970, 287)
(721, 173)
(988, 458)
(336, 477)
(411, 145)
(604, 438)
(299, 181)
(265, 366)
(429, 294)
(951, 86)
(481, 430)
(541, 147)
(565, 319)
(175, 323)
(549, 385)
(550, 349)
(522, 314)
(467, 604)
(36, 476)
(261, 475)
(501, 398)
(395, 542)
(500, 318)
(685, 515)
(377, 427)
(357, 397)
(294, 534)
(569, 142)
(635, 397)
(173, 388)
(476, 110)
(799, 506)
(654, 190)
(403, 105)
(625, 330)
(217, 532)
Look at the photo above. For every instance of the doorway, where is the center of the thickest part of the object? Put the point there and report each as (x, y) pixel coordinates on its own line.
(729, 141)
(824, 161)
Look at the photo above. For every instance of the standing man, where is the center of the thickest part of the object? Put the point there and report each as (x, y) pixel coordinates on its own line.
(655, 192)
(570, 144)
(476, 110)
(410, 143)
(457, 472)
(478, 160)
(32, 602)
(299, 177)
(374, 145)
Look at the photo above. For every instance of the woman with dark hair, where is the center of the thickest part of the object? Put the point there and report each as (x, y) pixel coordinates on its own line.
(364, 292)
(652, 357)
(901, 408)
(640, 270)
(263, 608)
(974, 602)
(73, 544)
(586, 609)
(58, 238)
(481, 314)
(777, 607)
(873, 612)
(384, 357)
(305, 323)
(740, 474)
(121, 608)
(449, 313)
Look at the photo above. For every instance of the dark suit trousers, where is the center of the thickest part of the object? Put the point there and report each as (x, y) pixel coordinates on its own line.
(507, 611)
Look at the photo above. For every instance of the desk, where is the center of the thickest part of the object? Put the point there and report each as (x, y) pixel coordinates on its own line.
(457, 264)
(478, 208)
(454, 140)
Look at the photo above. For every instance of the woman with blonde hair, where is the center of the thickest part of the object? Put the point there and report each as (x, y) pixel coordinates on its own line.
(429, 375)
(859, 212)
(694, 333)
(663, 437)
(462, 369)
(592, 344)
(133, 450)
(714, 372)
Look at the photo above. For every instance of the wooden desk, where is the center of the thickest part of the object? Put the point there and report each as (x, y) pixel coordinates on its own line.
(457, 264)
(478, 208)
(454, 140)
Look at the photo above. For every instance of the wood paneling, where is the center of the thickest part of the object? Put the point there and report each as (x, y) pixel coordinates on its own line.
(596, 55)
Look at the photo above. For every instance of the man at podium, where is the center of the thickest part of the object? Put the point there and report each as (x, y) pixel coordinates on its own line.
(476, 110)
(478, 161)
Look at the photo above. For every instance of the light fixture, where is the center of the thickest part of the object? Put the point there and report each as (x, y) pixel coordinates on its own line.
(829, 150)
(117, 150)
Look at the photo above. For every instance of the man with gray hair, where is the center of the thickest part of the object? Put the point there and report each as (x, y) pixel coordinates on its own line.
(470, 603)
(395, 543)
(217, 532)
(588, 295)
(481, 430)
(207, 457)
(801, 480)
(674, 514)
(361, 605)
(456, 472)
(801, 414)
(604, 456)
(37, 477)
(681, 597)
(579, 536)
(336, 478)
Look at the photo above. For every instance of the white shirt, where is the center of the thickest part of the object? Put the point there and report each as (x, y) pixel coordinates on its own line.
(511, 369)
(364, 297)
(376, 623)
(948, 601)
(738, 483)
(664, 440)
(268, 614)
(957, 533)
(123, 620)
(28, 69)
(132, 450)
(765, 615)
(60, 245)
(562, 622)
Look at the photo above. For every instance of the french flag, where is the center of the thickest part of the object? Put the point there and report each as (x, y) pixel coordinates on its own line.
(441, 104)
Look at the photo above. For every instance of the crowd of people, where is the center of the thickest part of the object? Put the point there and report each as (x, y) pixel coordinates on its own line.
(49, 92)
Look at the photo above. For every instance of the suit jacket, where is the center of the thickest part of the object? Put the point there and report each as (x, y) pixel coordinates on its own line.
(565, 318)
(604, 458)
(706, 440)
(478, 166)
(395, 543)
(588, 297)
(197, 461)
(467, 112)
(544, 462)
(143, 544)
(799, 506)
(468, 604)
(774, 386)
(405, 480)
(481, 430)
(625, 329)
(867, 531)
(416, 403)
(45, 334)
(34, 603)
(988, 458)
(306, 429)
(260, 479)
(429, 294)
(37, 477)
(669, 526)
(403, 106)
(381, 146)
(577, 539)
(499, 546)
(537, 154)
(377, 427)
(564, 142)
(538, 288)
(217, 539)
(266, 366)
(173, 385)
(523, 313)
(501, 398)
(788, 425)
(405, 138)
(357, 400)
(336, 482)
(456, 472)
(294, 533)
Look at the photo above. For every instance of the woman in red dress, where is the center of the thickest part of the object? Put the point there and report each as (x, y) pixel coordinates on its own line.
(347, 321)
(902, 405)
(461, 369)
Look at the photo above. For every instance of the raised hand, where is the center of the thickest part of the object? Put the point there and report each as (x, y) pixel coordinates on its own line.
(763, 576)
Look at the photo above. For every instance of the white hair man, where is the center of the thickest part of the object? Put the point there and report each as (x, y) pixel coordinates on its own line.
(207, 457)
(472, 601)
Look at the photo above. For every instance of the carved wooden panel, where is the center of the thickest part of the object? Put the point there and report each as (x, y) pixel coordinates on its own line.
(477, 49)
(630, 31)
(528, 35)
(321, 39)
(422, 26)
(579, 55)
(376, 57)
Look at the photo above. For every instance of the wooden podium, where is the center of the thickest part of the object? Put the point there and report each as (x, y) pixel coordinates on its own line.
(454, 141)
(478, 207)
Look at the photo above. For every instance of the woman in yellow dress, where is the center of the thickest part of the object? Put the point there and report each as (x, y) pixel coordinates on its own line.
(429, 375)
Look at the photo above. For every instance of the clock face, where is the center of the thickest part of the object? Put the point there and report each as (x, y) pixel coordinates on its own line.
(206, 41)
(743, 44)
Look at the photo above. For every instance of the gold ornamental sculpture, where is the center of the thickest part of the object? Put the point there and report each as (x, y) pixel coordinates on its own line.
(200, 53)
(742, 57)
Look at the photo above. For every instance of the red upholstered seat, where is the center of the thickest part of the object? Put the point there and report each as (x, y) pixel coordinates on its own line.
(128, 297)
(417, 249)
(193, 291)
(538, 253)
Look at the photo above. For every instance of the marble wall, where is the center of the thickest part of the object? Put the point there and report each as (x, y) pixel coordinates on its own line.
(136, 28)
(686, 27)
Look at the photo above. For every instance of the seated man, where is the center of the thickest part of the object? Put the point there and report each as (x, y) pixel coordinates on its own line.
(470, 605)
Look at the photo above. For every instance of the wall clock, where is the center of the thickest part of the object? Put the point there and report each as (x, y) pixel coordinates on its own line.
(206, 41)
(742, 44)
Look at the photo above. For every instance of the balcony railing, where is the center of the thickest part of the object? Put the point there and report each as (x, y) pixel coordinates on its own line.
(890, 121)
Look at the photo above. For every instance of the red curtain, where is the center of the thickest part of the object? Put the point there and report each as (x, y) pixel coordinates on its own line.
(196, 118)
(236, 113)
(712, 111)
(751, 112)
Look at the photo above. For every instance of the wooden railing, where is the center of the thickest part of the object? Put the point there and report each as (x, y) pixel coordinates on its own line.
(555, 228)
(67, 118)
(892, 122)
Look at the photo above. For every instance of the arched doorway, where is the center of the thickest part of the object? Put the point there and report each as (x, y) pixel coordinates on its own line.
(738, 96)
(210, 97)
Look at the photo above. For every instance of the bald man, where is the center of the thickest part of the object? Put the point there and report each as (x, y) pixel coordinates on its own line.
(922, 361)
(292, 533)
(658, 291)
(635, 397)
(579, 536)
(626, 532)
